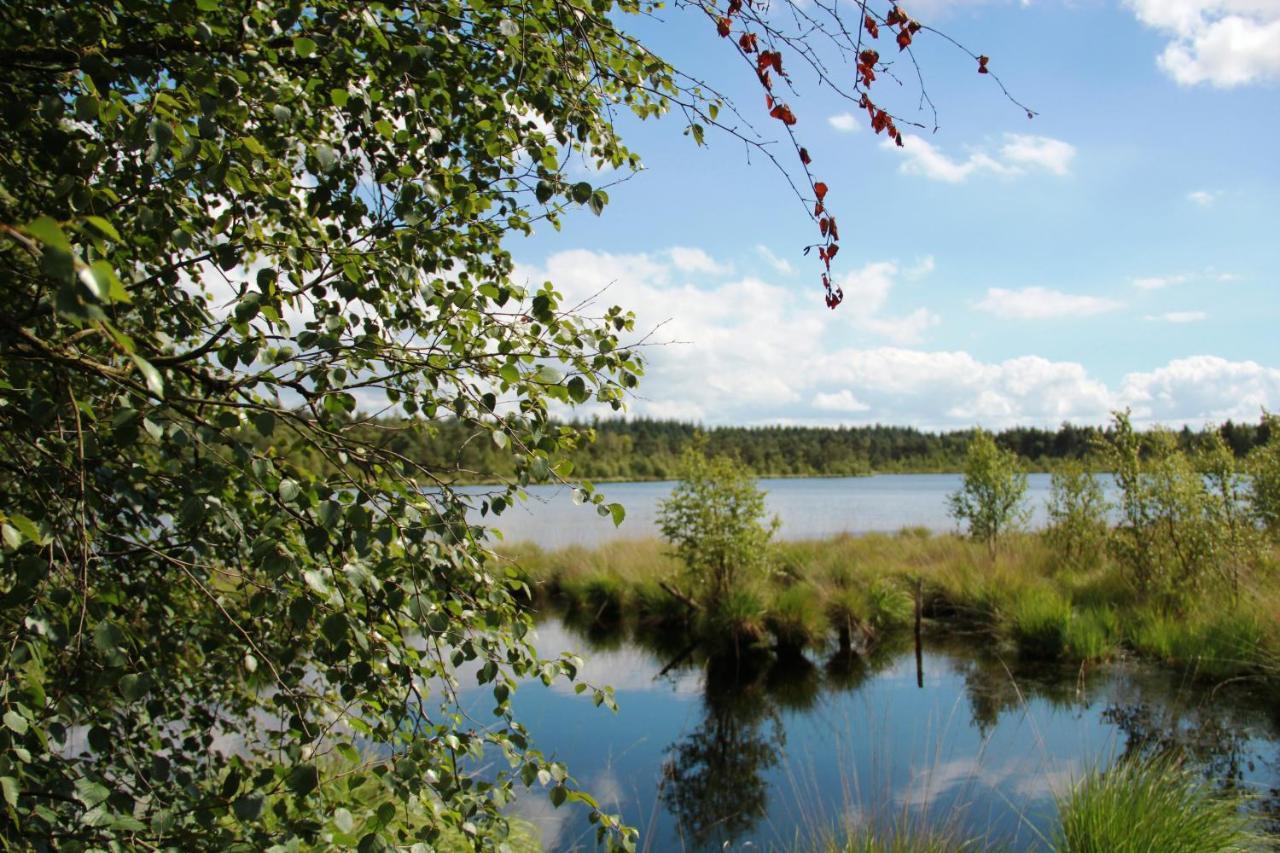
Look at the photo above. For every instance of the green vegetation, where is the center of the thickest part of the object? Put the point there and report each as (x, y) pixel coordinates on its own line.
(1183, 578)
(1151, 804)
(991, 498)
(226, 231)
(644, 449)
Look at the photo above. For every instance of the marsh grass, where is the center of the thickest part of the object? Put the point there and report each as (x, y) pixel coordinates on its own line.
(859, 590)
(1151, 804)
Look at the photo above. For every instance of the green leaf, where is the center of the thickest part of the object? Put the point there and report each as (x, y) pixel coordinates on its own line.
(578, 390)
(247, 809)
(155, 382)
(29, 529)
(103, 227)
(133, 687)
(558, 795)
(339, 97)
(304, 46)
(9, 786)
(581, 192)
(598, 200)
(303, 779)
(343, 820)
(103, 282)
(12, 537)
(289, 490)
(48, 231)
(15, 722)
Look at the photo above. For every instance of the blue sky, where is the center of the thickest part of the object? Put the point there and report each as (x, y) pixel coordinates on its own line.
(1118, 250)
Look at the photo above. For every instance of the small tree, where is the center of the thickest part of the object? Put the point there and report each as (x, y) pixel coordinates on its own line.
(1077, 510)
(990, 501)
(716, 519)
(1264, 478)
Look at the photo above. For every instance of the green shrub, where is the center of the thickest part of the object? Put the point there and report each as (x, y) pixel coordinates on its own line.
(796, 618)
(1077, 510)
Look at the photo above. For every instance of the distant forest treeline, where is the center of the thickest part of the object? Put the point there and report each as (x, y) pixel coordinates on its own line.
(644, 449)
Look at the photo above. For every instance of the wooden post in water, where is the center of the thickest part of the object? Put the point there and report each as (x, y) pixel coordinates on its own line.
(919, 654)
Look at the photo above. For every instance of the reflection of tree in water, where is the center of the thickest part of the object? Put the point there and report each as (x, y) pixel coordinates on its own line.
(1205, 736)
(713, 781)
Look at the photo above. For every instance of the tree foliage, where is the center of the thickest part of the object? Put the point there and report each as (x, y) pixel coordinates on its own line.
(990, 500)
(1077, 512)
(717, 521)
(1264, 479)
(226, 230)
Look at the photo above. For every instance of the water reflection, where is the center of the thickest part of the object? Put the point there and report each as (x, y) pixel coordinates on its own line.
(765, 748)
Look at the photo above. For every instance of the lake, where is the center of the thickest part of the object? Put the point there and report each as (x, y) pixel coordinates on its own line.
(704, 754)
(809, 508)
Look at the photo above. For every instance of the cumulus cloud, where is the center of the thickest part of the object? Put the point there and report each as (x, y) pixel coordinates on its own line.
(686, 259)
(1041, 303)
(843, 122)
(1223, 43)
(748, 350)
(1179, 317)
(1019, 155)
(1204, 198)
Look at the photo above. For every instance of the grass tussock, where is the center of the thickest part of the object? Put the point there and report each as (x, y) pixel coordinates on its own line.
(1154, 804)
(856, 591)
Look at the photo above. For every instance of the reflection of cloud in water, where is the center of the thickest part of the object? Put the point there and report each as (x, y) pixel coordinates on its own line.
(549, 821)
(627, 668)
(1031, 778)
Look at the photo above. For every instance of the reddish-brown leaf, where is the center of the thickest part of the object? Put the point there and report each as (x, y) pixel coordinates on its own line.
(899, 140)
(982, 64)
(904, 39)
(817, 211)
(870, 24)
(820, 190)
(869, 57)
(804, 156)
(735, 6)
(823, 225)
(895, 16)
(768, 102)
(831, 251)
(722, 27)
(783, 113)
(747, 41)
(880, 121)
(831, 228)
(769, 59)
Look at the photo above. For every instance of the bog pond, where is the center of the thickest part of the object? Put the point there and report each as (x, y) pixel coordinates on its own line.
(779, 752)
(808, 507)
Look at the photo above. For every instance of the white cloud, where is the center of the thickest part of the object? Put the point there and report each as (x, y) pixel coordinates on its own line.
(1020, 154)
(1204, 198)
(1052, 155)
(781, 265)
(1158, 282)
(841, 401)
(843, 122)
(1040, 303)
(695, 260)
(866, 291)
(1221, 42)
(1202, 388)
(746, 350)
(1179, 317)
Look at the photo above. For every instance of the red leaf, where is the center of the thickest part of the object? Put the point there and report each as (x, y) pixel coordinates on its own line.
(831, 228)
(899, 140)
(747, 42)
(820, 190)
(904, 39)
(722, 27)
(870, 24)
(982, 64)
(831, 251)
(783, 113)
(804, 156)
(895, 16)
(868, 76)
(767, 59)
(823, 225)
(869, 57)
(880, 121)
(765, 81)
(914, 27)
(735, 6)
(817, 211)
(768, 102)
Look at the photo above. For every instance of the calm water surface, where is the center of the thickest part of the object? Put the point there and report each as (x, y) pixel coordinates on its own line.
(704, 754)
(808, 508)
